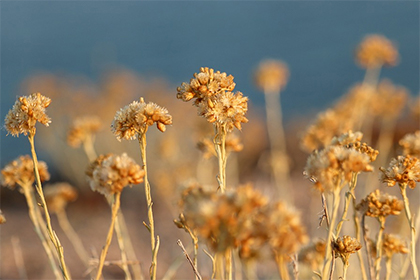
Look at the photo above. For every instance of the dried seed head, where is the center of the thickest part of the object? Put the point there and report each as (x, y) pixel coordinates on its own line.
(411, 144)
(345, 246)
(111, 173)
(313, 255)
(404, 170)
(375, 51)
(271, 76)
(347, 138)
(58, 195)
(21, 172)
(82, 129)
(136, 117)
(378, 204)
(26, 111)
(388, 100)
(393, 244)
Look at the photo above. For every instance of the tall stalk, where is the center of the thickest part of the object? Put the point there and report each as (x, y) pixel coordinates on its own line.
(220, 146)
(151, 226)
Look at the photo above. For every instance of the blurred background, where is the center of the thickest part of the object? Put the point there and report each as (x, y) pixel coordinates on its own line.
(94, 57)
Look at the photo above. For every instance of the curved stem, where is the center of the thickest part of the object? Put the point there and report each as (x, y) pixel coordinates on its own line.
(53, 236)
(124, 259)
(115, 207)
(89, 149)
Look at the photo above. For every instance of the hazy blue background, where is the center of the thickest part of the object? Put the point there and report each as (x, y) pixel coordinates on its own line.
(173, 39)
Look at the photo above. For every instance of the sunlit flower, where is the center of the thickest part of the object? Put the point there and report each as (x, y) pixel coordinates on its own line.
(379, 204)
(411, 144)
(393, 244)
(404, 170)
(58, 195)
(83, 128)
(271, 75)
(345, 246)
(375, 51)
(313, 255)
(26, 111)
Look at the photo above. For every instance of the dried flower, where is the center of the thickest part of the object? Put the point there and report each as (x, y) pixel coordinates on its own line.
(388, 100)
(21, 172)
(411, 144)
(379, 204)
(26, 111)
(345, 246)
(271, 76)
(393, 244)
(111, 173)
(404, 170)
(313, 255)
(136, 117)
(81, 129)
(347, 138)
(58, 195)
(375, 51)
(333, 166)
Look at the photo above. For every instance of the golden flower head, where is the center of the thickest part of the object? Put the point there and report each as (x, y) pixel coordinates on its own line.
(82, 129)
(388, 100)
(375, 51)
(26, 111)
(347, 138)
(411, 144)
(136, 117)
(2, 218)
(313, 255)
(393, 244)
(272, 75)
(345, 246)
(58, 195)
(286, 231)
(330, 167)
(379, 204)
(404, 170)
(109, 174)
(21, 172)
(214, 98)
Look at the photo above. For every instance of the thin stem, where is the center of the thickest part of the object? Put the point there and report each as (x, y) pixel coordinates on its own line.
(71, 234)
(282, 267)
(367, 247)
(328, 251)
(349, 196)
(228, 261)
(115, 208)
(213, 264)
(220, 147)
(218, 265)
(194, 267)
(20, 264)
(407, 261)
(357, 230)
(29, 195)
(388, 268)
(53, 236)
(379, 247)
(151, 226)
(123, 251)
(89, 149)
(403, 188)
(345, 267)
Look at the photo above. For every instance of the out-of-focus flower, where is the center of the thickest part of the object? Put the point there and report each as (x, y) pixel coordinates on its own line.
(136, 117)
(2, 218)
(379, 204)
(58, 195)
(82, 129)
(24, 114)
(345, 246)
(404, 170)
(313, 255)
(233, 144)
(109, 174)
(21, 172)
(271, 76)
(375, 51)
(393, 244)
(388, 100)
(411, 144)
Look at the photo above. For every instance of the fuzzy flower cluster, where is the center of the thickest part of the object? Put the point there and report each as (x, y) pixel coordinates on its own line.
(411, 144)
(271, 76)
(333, 166)
(58, 195)
(388, 100)
(136, 117)
(21, 172)
(24, 114)
(347, 138)
(82, 129)
(313, 255)
(375, 51)
(214, 98)
(404, 170)
(242, 219)
(109, 174)
(345, 246)
(379, 204)
(393, 244)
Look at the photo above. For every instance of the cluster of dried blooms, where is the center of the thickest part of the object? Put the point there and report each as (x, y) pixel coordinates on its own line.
(81, 129)
(379, 204)
(214, 98)
(21, 172)
(404, 170)
(411, 144)
(393, 244)
(58, 195)
(136, 117)
(26, 111)
(313, 255)
(345, 246)
(271, 76)
(109, 174)
(388, 100)
(375, 51)
(242, 219)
